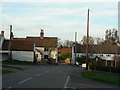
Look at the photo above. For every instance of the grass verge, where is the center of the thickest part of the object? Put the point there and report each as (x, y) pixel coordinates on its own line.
(101, 77)
(5, 71)
(6, 66)
(16, 62)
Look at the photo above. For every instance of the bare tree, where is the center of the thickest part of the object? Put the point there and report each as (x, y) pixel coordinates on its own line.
(111, 36)
(91, 40)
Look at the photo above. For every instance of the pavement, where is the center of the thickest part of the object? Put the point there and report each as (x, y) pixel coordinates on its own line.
(57, 77)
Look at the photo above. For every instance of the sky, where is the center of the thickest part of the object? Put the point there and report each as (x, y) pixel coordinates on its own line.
(58, 19)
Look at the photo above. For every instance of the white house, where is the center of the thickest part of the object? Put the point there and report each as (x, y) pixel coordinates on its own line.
(32, 48)
(45, 47)
(21, 50)
(105, 52)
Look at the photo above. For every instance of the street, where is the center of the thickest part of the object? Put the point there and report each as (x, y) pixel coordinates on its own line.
(50, 76)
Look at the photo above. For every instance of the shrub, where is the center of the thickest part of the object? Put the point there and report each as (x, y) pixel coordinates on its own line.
(100, 67)
(91, 66)
(81, 59)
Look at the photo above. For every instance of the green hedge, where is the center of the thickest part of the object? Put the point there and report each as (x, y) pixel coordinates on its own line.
(93, 66)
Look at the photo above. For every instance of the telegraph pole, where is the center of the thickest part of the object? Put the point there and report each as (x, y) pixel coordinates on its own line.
(10, 42)
(75, 45)
(87, 40)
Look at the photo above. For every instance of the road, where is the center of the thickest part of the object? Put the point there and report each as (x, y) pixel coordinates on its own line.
(49, 76)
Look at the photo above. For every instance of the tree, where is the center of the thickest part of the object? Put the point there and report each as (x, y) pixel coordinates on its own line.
(60, 43)
(68, 43)
(91, 40)
(65, 44)
(99, 40)
(111, 36)
(65, 55)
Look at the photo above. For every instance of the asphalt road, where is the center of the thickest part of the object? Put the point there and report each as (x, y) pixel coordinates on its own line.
(50, 76)
(40, 76)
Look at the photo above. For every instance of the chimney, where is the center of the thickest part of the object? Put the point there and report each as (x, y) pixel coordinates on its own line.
(12, 35)
(42, 34)
(2, 33)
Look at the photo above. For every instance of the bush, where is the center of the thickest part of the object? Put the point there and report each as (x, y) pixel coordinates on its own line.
(100, 67)
(115, 69)
(91, 66)
(65, 55)
(81, 59)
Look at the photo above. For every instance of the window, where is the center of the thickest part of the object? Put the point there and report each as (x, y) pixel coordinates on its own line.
(46, 49)
(45, 56)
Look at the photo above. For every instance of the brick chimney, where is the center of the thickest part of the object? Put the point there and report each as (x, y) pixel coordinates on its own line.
(2, 33)
(42, 34)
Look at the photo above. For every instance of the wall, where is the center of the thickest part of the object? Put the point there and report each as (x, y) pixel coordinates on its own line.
(53, 54)
(23, 55)
(73, 56)
(1, 41)
(102, 56)
(3, 56)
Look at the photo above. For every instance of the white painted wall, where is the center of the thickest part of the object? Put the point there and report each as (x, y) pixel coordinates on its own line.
(53, 53)
(23, 55)
(1, 41)
(73, 56)
(105, 56)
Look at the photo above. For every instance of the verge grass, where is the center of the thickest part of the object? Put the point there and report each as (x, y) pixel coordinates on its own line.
(101, 77)
(6, 66)
(16, 62)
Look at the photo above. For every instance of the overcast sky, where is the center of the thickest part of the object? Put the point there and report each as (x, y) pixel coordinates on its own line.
(58, 19)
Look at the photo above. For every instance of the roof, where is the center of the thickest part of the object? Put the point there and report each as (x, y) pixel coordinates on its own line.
(19, 38)
(65, 50)
(101, 49)
(45, 42)
(19, 45)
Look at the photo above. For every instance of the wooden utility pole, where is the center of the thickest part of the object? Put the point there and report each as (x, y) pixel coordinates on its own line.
(75, 45)
(10, 42)
(87, 40)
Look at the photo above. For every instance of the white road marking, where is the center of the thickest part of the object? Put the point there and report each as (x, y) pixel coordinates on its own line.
(8, 88)
(39, 74)
(65, 86)
(25, 80)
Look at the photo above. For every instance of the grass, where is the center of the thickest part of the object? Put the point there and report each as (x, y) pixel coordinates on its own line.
(5, 71)
(6, 66)
(16, 62)
(101, 77)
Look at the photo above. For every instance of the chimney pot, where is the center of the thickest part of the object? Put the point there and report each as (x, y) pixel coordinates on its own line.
(42, 34)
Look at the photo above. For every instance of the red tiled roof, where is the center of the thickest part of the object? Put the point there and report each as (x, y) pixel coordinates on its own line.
(19, 38)
(65, 50)
(46, 42)
(19, 45)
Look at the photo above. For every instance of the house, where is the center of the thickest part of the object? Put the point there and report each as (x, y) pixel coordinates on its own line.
(21, 50)
(105, 52)
(1, 42)
(41, 48)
